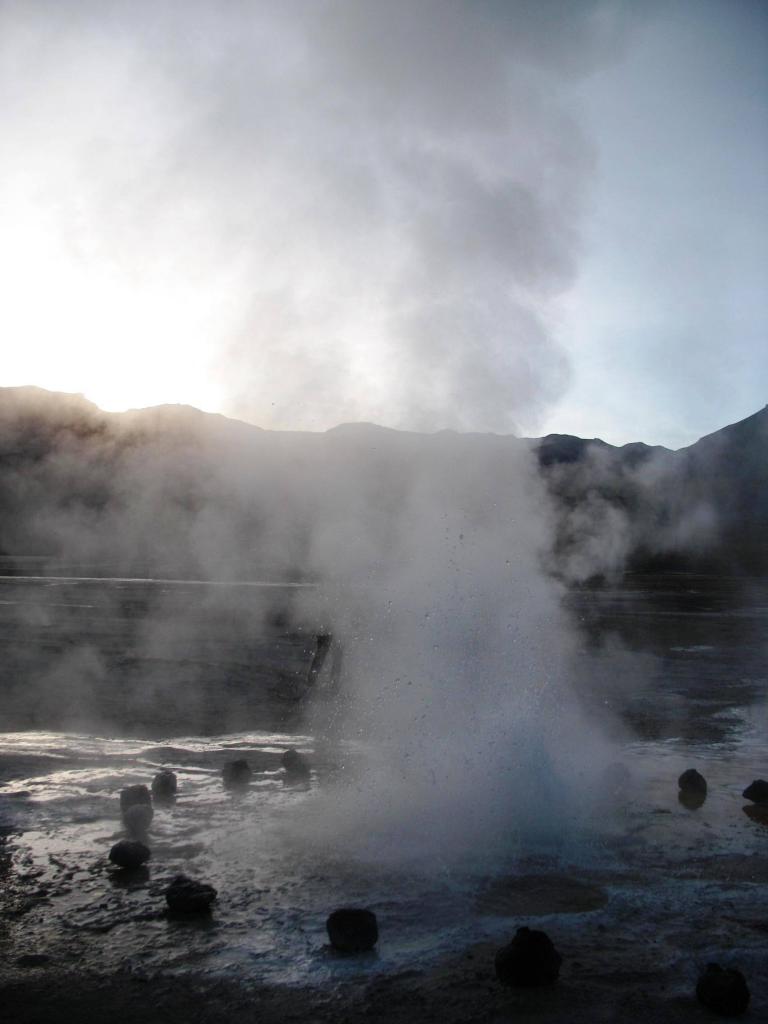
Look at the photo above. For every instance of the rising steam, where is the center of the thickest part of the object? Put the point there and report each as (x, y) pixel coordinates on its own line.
(371, 209)
(332, 211)
(459, 659)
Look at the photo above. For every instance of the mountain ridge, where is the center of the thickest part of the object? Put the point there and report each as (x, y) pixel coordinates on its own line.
(33, 394)
(76, 480)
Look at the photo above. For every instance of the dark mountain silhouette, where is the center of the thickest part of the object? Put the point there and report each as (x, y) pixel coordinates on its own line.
(704, 506)
(174, 489)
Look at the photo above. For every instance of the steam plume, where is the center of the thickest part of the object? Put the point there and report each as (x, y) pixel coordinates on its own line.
(352, 210)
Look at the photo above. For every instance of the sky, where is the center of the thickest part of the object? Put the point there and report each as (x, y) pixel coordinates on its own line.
(667, 322)
(491, 215)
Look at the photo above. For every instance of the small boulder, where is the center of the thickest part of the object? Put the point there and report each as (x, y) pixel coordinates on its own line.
(164, 786)
(132, 795)
(236, 774)
(723, 990)
(529, 960)
(294, 764)
(757, 792)
(186, 896)
(138, 818)
(692, 782)
(352, 930)
(129, 853)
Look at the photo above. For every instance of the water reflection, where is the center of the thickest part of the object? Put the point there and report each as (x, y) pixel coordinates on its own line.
(276, 889)
(691, 799)
(129, 878)
(757, 813)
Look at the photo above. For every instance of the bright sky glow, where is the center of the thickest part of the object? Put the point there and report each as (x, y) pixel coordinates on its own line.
(81, 326)
(301, 218)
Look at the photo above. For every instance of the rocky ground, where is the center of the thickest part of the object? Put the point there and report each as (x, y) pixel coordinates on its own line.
(459, 991)
(632, 944)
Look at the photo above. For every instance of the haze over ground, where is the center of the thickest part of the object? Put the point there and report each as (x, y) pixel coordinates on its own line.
(191, 492)
(485, 216)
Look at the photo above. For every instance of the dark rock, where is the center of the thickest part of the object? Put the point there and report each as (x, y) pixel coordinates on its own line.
(294, 764)
(757, 791)
(692, 782)
(352, 931)
(132, 795)
(723, 990)
(129, 853)
(237, 774)
(164, 786)
(186, 896)
(529, 960)
(138, 818)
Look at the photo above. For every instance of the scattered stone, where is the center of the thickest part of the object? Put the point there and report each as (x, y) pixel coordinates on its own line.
(138, 818)
(294, 764)
(186, 896)
(723, 990)
(757, 792)
(692, 782)
(237, 774)
(529, 960)
(129, 853)
(352, 930)
(132, 795)
(164, 786)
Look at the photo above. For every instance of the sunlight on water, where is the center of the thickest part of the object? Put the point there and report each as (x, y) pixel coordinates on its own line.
(276, 885)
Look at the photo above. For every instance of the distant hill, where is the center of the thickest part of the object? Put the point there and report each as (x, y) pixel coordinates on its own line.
(704, 506)
(178, 490)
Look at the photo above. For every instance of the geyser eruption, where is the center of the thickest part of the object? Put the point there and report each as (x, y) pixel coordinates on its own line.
(457, 651)
(369, 210)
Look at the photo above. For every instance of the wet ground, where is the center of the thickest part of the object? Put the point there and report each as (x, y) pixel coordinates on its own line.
(650, 892)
